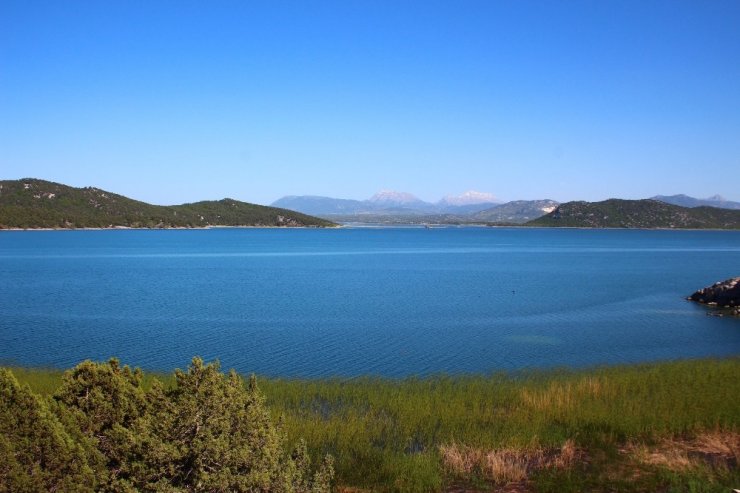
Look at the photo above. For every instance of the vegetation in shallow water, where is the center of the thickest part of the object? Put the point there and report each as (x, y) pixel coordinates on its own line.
(667, 426)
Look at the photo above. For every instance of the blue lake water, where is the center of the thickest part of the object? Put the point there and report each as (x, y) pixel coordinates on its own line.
(383, 301)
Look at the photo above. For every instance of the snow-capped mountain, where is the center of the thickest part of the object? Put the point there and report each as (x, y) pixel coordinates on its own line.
(470, 197)
(391, 198)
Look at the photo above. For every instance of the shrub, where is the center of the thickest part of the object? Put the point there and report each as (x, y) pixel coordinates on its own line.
(209, 432)
(37, 453)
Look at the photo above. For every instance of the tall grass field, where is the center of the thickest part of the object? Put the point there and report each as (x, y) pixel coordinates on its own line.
(672, 426)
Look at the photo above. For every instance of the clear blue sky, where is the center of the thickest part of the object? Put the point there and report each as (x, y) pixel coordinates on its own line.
(180, 101)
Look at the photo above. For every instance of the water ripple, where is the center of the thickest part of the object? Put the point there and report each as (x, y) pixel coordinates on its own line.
(354, 302)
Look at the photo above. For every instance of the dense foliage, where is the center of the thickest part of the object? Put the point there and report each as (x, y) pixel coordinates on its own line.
(31, 203)
(616, 213)
(102, 431)
(37, 452)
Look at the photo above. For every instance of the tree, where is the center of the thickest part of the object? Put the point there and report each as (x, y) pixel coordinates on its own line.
(106, 401)
(209, 433)
(36, 451)
(224, 436)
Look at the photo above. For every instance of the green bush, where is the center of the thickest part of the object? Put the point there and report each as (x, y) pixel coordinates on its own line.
(36, 451)
(102, 431)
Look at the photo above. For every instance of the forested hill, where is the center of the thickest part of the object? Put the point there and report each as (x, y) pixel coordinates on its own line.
(615, 213)
(31, 203)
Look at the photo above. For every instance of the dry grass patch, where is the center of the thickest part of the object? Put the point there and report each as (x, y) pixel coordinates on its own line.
(568, 456)
(459, 459)
(725, 444)
(506, 465)
(667, 455)
(715, 448)
(565, 396)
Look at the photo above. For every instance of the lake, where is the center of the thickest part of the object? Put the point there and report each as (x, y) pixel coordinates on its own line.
(357, 301)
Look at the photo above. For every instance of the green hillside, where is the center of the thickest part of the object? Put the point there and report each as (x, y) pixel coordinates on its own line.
(32, 203)
(615, 213)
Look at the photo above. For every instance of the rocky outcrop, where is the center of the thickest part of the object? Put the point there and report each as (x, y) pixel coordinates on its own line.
(724, 295)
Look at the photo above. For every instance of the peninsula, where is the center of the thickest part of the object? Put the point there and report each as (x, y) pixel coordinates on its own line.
(647, 214)
(723, 296)
(37, 204)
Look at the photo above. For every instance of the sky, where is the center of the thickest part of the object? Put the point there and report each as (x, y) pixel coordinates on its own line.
(172, 102)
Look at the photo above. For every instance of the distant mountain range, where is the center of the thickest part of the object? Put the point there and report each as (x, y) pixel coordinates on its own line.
(387, 202)
(512, 213)
(648, 213)
(470, 207)
(32, 203)
(686, 201)
(400, 207)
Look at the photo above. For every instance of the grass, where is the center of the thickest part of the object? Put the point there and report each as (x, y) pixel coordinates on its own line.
(667, 426)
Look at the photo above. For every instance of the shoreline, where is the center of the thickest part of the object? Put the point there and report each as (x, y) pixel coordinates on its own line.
(516, 374)
(179, 228)
(371, 225)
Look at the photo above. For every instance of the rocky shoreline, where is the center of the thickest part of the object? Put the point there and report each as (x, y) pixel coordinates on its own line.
(724, 296)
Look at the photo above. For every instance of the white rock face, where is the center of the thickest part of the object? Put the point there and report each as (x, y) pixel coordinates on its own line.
(392, 197)
(470, 197)
(549, 209)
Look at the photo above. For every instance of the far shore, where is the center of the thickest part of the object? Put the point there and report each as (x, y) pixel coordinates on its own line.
(117, 228)
(373, 225)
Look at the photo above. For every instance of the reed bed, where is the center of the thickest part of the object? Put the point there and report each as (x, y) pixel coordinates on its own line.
(555, 430)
